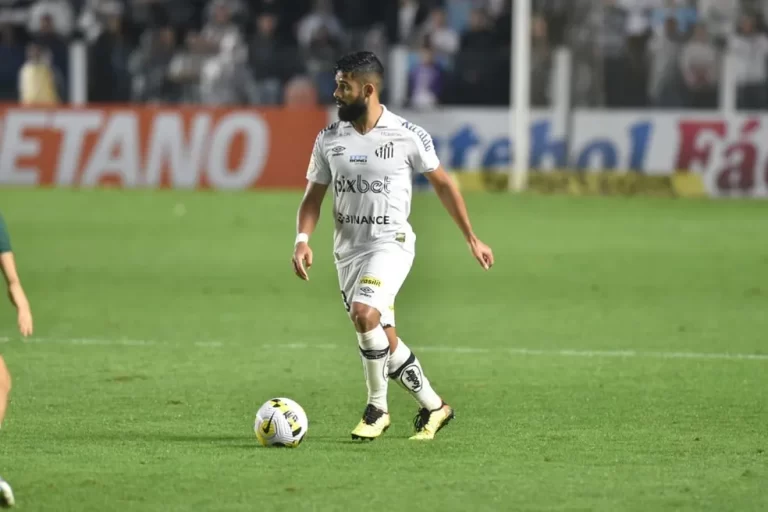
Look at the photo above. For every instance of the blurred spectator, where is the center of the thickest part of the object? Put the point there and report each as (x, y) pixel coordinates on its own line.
(479, 79)
(109, 75)
(495, 8)
(153, 14)
(411, 17)
(624, 51)
(219, 27)
(359, 18)
(684, 14)
(720, 17)
(478, 36)
(37, 85)
(11, 60)
(502, 26)
(187, 65)
(442, 38)
(700, 67)
(555, 14)
(320, 59)
(319, 25)
(375, 40)
(300, 92)
(426, 81)
(57, 12)
(225, 80)
(750, 50)
(541, 62)
(151, 66)
(638, 15)
(609, 23)
(92, 19)
(665, 47)
(269, 59)
(57, 48)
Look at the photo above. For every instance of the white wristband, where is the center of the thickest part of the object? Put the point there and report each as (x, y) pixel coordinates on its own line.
(301, 237)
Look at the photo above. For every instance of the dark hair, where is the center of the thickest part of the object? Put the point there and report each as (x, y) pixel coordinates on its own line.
(360, 63)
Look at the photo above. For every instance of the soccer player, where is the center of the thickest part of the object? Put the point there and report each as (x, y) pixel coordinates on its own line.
(368, 158)
(24, 321)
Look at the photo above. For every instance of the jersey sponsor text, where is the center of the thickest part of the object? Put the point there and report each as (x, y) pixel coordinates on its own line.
(358, 185)
(377, 220)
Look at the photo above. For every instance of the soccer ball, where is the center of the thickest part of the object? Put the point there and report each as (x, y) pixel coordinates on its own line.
(281, 422)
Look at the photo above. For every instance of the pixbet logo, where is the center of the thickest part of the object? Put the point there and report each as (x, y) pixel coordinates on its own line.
(358, 185)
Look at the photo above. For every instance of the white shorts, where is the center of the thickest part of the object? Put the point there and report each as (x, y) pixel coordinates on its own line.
(374, 279)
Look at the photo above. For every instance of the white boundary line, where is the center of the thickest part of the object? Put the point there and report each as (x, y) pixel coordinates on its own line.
(602, 353)
(108, 342)
(619, 354)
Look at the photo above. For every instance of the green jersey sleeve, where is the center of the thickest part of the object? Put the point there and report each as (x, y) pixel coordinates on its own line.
(5, 239)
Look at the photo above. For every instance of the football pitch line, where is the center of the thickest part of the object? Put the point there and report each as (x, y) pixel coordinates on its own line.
(523, 352)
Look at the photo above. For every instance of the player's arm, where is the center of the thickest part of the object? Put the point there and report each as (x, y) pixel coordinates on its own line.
(453, 201)
(306, 222)
(318, 179)
(15, 290)
(309, 209)
(424, 160)
(449, 195)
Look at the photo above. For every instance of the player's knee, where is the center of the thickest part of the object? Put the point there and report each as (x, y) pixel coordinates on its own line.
(364, 317)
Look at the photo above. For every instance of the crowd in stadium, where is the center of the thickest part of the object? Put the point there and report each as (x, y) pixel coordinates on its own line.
(626, 53)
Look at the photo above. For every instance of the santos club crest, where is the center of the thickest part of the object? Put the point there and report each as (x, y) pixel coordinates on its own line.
(386, 151)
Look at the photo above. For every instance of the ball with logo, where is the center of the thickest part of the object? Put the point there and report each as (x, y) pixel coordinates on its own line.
(281, 422)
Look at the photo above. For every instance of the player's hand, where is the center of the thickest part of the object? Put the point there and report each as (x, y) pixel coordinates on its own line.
(24, 320)
(482, 253)
(302, 260)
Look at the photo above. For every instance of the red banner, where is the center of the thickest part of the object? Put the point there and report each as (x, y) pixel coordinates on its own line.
(148, 147)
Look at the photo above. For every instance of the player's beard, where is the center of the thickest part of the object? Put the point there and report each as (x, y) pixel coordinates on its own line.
(352, 111)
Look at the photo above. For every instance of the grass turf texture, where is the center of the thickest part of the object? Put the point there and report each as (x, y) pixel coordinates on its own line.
(164, 422)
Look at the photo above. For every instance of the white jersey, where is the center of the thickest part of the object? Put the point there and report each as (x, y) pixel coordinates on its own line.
(372, 180)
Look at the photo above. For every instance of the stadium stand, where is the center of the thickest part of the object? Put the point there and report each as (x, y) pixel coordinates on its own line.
(626, 53)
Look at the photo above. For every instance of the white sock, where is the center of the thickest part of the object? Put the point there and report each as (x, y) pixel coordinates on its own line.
(374, 351)
(407, 371)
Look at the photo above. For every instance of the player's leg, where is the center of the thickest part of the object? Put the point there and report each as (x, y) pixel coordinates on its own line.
(6, 493)
(374, 352)
(5, 389)
(405, 369)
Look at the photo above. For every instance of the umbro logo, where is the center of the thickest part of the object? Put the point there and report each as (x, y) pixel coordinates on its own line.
(338, 151)
(386, 151)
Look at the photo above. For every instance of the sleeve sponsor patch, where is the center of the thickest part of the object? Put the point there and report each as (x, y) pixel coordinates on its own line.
(425, 138)
(329, 128)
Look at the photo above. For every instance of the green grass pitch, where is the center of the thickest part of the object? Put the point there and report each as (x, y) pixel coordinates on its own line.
(614, 359)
